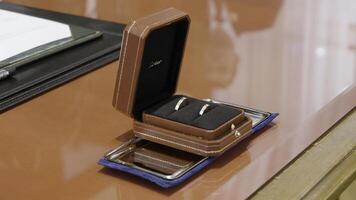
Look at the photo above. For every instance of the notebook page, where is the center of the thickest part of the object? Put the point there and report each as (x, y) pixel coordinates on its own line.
(20, 33)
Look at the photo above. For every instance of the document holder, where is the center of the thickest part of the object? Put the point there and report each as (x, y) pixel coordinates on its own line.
(174, 136)
(42, 75)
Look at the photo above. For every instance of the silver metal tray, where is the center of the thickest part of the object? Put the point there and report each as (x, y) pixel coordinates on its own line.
(147, 156)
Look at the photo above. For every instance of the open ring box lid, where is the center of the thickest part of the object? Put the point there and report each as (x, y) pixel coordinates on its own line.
(150, 59)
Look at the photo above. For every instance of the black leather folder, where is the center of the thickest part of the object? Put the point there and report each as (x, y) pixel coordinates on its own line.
(42, 75)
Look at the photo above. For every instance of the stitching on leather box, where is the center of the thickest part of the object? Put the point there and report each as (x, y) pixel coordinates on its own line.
(192, 148)
(123, 62)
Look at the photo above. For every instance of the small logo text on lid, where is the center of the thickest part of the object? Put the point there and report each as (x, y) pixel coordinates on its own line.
(155, 63)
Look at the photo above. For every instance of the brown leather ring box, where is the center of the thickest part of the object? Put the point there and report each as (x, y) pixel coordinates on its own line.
(211, 125)
(150, 59)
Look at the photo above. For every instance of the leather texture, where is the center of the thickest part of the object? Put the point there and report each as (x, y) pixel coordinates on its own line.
(40, 76)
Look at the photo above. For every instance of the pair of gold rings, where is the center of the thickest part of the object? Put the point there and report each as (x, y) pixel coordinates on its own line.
(183, 102)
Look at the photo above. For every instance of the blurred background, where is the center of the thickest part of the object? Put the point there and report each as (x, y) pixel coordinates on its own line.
(239, 46)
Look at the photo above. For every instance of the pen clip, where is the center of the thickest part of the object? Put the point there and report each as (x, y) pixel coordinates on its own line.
(4, 74)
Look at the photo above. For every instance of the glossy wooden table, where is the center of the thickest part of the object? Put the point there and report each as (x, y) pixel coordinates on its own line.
(294, 57)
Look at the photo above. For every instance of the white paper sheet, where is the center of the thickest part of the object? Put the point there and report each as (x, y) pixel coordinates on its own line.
(19, 33)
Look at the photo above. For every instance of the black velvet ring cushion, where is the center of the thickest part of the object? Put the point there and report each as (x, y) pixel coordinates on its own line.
(215, 116)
